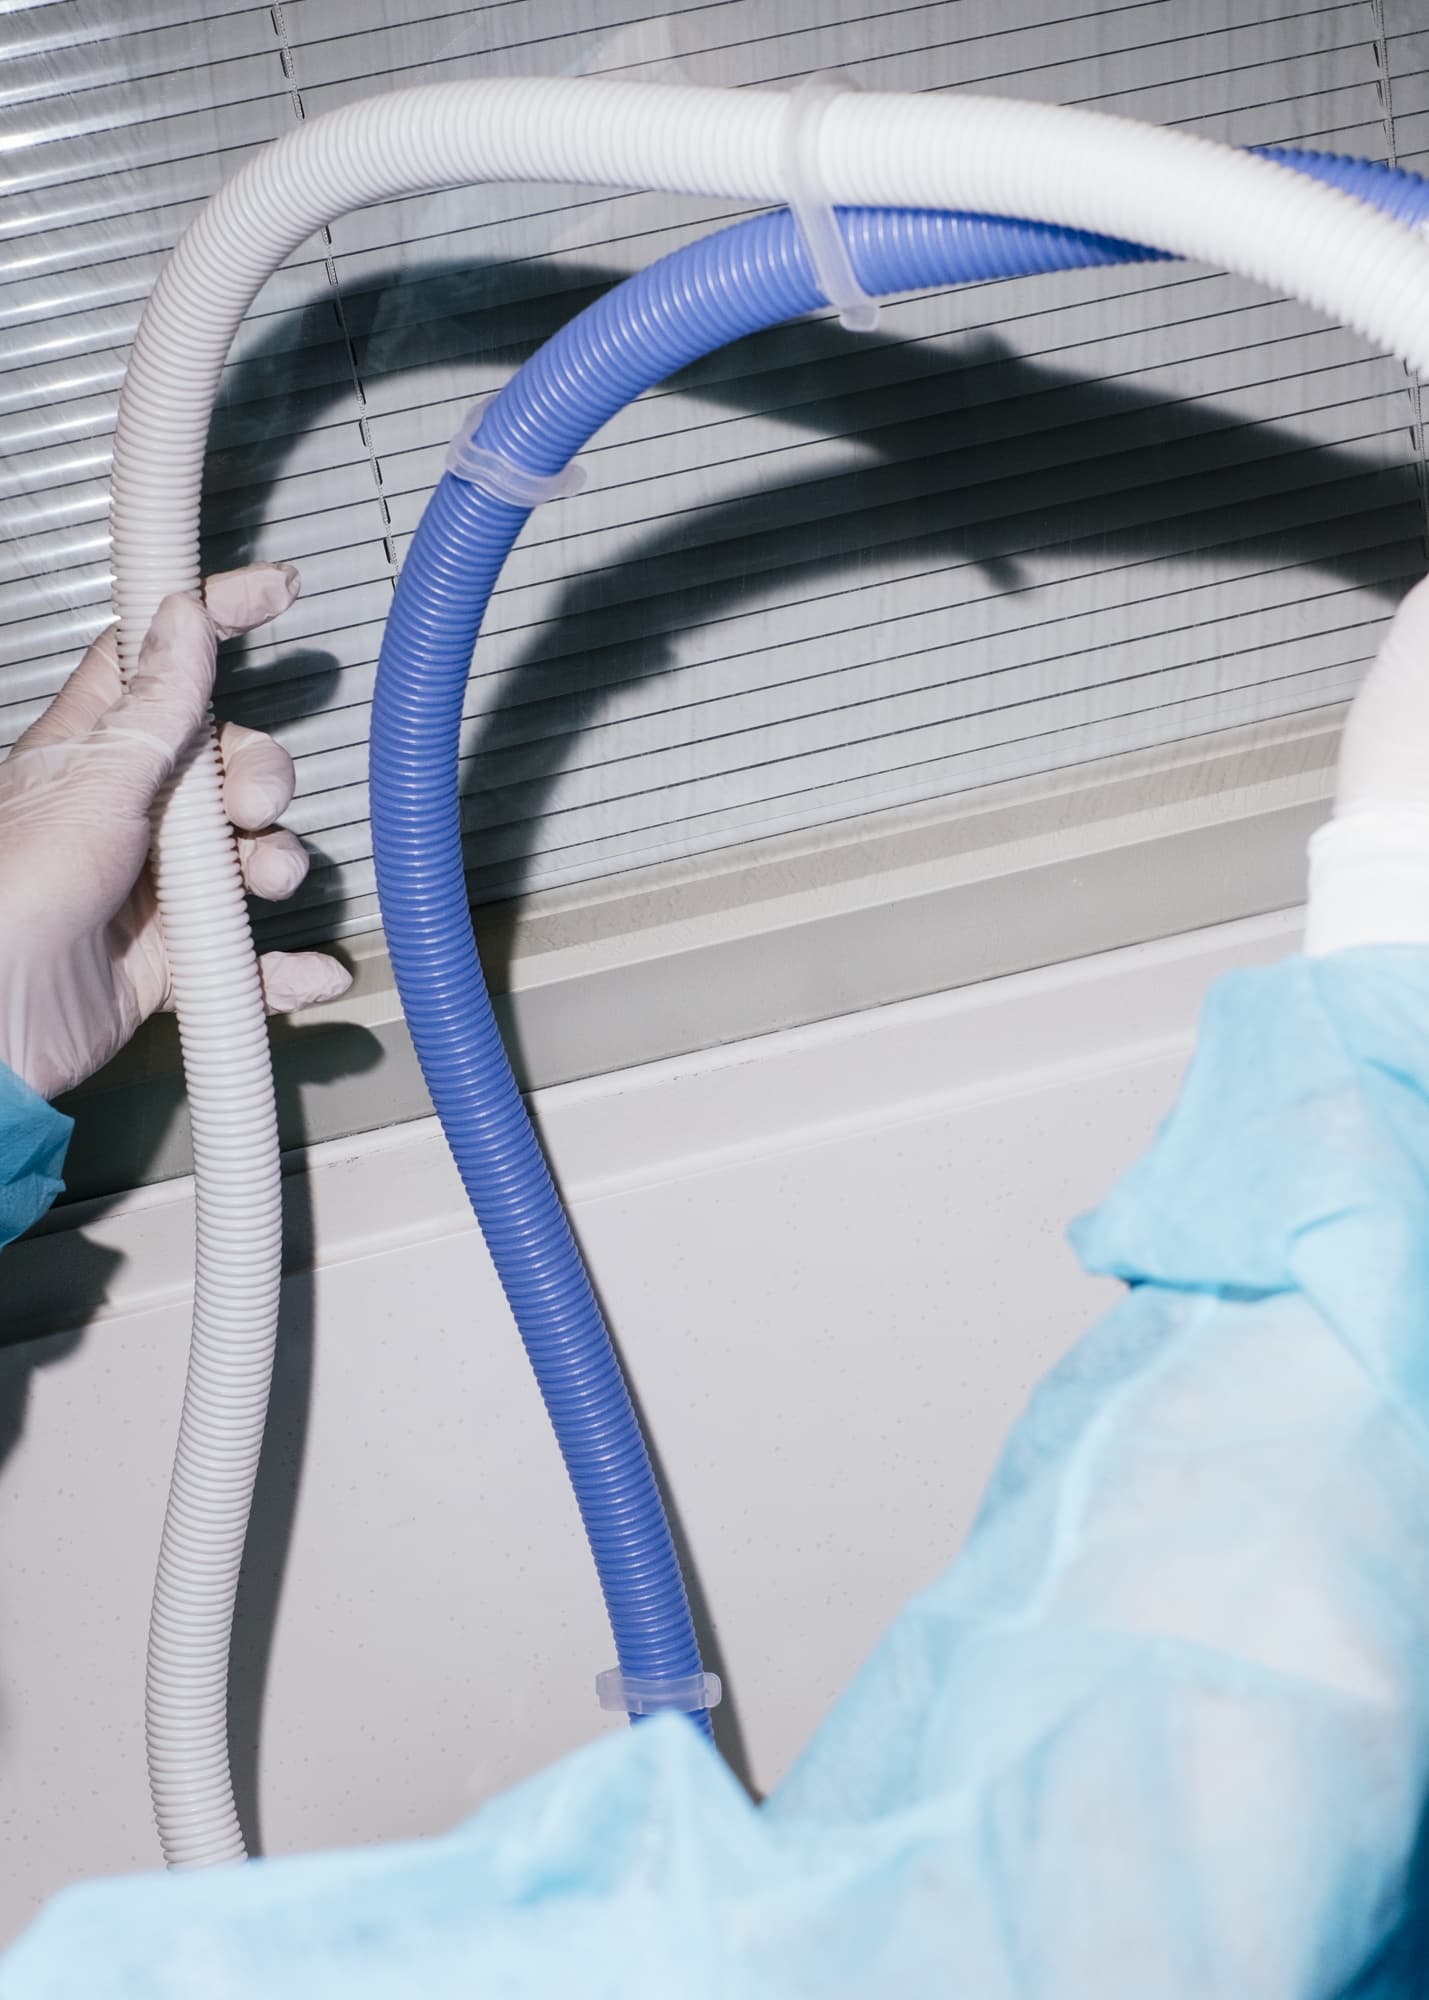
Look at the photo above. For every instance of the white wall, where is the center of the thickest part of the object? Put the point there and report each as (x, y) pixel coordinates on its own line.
(835, 1262)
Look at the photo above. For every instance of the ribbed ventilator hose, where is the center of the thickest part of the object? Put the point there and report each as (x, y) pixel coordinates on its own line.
(717, 290)
(1059, 166)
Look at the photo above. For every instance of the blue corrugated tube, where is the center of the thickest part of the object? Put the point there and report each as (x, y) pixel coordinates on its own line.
(731, 284)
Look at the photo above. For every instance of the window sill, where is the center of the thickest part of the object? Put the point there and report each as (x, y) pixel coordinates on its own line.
(777, 934)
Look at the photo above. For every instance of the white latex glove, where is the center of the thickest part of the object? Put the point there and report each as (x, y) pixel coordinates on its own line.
(82, 957)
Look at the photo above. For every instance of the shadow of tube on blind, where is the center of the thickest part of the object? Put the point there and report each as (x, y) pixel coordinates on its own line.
(972, 458)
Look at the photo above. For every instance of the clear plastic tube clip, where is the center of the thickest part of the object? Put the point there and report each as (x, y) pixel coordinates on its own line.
(635, 1696)
(497, 475)
(810, 206)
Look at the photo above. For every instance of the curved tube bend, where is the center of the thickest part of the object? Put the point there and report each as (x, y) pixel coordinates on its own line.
(1054, 165)
(716, 290)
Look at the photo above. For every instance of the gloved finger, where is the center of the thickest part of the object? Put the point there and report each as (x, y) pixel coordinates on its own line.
(297, 979)
(165, 705)
(236, 601)
(91, 691)
(273, 864)
(239, 599)
(258, 777)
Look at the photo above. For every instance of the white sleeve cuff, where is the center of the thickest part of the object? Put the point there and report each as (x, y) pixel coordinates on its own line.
(1369, 880)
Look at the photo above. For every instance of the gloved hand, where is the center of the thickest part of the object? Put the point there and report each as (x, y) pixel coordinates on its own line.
(82, 957)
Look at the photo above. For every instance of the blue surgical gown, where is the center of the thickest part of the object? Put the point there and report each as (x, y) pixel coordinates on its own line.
(33, 1140)
(1161, 1730)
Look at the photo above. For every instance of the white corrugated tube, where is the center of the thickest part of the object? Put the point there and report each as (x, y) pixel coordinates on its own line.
(1000, 157)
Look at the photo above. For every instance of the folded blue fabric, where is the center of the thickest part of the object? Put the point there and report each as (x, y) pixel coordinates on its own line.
(34, 1138)
(1161, 1730)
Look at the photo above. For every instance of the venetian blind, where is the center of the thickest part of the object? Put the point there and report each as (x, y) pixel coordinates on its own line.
(1020, 527)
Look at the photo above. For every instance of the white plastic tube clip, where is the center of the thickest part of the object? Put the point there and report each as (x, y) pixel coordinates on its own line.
(810, 206)
(498, 476)
(647, 1697)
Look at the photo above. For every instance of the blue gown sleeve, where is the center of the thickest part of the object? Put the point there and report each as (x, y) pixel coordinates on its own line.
(1162, 1729)
(33, 1140)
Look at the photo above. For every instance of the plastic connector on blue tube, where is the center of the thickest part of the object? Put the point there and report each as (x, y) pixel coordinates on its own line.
(628, 1692)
